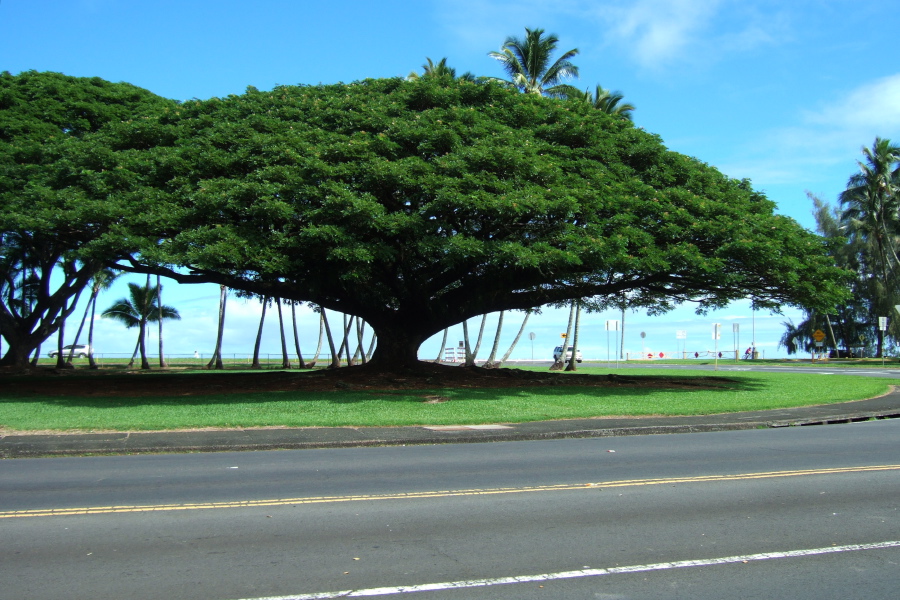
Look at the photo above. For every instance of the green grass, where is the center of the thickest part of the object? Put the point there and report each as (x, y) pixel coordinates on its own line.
(738, 391)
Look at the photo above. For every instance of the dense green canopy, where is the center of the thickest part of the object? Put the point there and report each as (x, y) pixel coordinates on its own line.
(418, 204)
(56, 181)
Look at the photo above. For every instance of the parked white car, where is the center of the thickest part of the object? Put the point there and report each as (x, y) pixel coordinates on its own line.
(79, 350)
(557, 353)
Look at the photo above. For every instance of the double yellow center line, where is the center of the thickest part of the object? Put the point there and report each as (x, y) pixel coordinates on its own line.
(103, 510)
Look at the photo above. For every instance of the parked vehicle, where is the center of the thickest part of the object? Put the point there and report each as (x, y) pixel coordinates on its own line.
(77, 350)
(557, 353)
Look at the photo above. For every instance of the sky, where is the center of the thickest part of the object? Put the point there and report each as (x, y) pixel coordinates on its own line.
(782, 93)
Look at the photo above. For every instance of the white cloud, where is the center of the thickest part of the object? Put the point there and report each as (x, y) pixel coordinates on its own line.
(872, 106)
(826, 142)
(660, 30)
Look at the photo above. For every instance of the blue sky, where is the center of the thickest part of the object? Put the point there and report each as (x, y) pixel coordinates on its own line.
(782, 93)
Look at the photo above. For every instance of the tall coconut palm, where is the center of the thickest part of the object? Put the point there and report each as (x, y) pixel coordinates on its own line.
(443, 346)
(159, 322)
(138, 309)
(102, 280)
(490, 362)
(871, 217)
(572, 361)
(262, 319)
(518, 336)
(472, 354)
(439, 69)
(285, 360)
(560, 362)
(530, 66)
(216, 361)
(302, 364)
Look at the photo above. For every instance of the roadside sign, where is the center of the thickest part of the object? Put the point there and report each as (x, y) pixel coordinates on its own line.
(717, 331)
(882, 323)
(819, 335)
(681, 334)
(612, 325)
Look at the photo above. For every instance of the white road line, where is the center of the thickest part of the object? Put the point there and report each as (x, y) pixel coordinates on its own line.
(472, 583)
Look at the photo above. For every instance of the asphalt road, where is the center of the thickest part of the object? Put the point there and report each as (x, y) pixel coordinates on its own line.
(789, 513)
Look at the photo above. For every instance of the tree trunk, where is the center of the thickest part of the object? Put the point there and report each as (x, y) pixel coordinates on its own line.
(335, 358)
(490, 364)
(360, 333)
(93, 297)
(302, 365)
(159, 305)
(216, 361)
(142, 340)
(397, 348)
(285, 361)
(315, 357)
(443, 345)
(137, 346)
(518, 335)
(60, 334)
(473, 355)
(262, 319)
(573, 361)
(92, 364)
(560, 362)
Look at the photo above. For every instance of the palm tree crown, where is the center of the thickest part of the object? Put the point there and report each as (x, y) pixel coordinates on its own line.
(609, 102)
(528, 63)
(440, 69)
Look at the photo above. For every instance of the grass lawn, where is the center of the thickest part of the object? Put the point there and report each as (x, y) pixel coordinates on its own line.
(737, 391)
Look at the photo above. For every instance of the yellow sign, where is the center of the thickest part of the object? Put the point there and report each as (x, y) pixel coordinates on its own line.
(562, 335)
(819, 335)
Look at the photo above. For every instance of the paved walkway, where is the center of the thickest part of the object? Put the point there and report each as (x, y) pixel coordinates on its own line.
(13, 446)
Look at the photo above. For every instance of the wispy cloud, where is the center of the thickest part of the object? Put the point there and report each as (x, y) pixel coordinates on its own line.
(660, 31)
(825, 138)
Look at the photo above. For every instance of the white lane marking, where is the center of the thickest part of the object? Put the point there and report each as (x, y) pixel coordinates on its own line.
(472, 583)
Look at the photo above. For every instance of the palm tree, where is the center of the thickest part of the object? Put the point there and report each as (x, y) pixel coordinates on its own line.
(608, 102)
(297, 336)
(489, 363)
(518, 336)
(572, 361)
(262, 319)
(528, 64)
(216, 361)
(871, 218)
(471, 355)
(102, 280)
(285, 360)
(443, 345)
(138, 309)
(560, 362)
(440, 69)
(159, 321)
(335, 357)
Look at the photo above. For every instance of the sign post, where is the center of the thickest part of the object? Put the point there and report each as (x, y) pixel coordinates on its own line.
(612, 325)
(818, 335)
(736, 332)
(882, 327)
(716, 335)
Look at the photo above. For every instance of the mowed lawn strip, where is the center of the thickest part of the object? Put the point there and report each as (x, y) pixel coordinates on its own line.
(734, 392)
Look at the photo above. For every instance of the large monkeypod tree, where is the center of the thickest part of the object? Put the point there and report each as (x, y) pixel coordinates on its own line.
(57, 208)
(418, 204)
